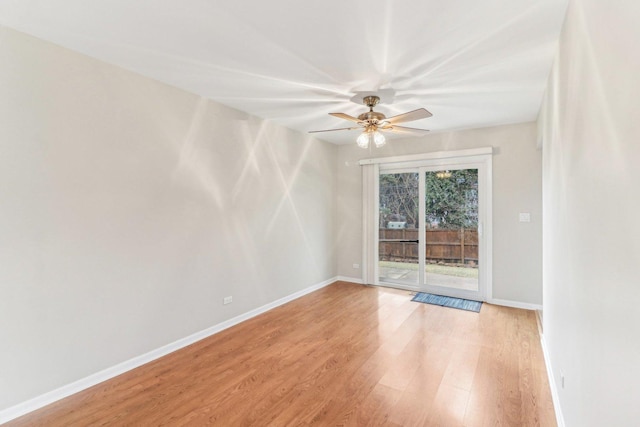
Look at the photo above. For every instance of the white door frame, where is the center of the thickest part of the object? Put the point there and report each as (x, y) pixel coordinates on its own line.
(480, 159)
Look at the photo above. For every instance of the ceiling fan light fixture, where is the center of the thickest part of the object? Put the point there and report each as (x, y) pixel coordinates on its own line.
(371, 136)
(363, 140)
(379, 139)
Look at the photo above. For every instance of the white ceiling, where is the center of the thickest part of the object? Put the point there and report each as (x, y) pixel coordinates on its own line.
(472, 63)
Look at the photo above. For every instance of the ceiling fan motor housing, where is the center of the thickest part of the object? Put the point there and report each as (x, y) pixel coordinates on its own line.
(371, 117)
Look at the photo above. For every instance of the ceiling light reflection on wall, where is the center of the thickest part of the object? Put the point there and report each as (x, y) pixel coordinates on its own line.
(443, 174)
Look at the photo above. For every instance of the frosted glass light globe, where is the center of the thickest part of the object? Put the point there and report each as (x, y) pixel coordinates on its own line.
(363, 140)
(379, 139)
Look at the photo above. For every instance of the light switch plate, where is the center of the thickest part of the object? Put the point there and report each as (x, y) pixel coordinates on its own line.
(525, 217)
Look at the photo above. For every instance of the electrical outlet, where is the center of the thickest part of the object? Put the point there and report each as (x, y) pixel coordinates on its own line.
(227, 300)
(356, 265)
(524, 217)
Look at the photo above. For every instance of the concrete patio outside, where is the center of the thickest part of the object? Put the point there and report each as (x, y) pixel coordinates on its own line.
(408, 274)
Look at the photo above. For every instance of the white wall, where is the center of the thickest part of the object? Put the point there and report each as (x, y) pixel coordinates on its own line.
(517, 247)
(591, 150)
(129, 209)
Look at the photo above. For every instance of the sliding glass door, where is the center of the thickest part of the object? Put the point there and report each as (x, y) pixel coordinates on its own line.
(430, 224)
(451, 235)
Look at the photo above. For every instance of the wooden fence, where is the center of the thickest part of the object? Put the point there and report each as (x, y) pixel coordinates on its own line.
(450, 246)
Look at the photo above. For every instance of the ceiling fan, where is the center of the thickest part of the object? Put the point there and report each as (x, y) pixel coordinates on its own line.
(373, 123)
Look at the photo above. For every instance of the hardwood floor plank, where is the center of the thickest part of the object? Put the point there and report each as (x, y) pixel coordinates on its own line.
(462, 365)
(344, 355)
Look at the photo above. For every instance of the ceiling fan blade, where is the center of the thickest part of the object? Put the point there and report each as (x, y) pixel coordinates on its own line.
(345, 117)
(331, 130)
(418, 114)
(404, 130)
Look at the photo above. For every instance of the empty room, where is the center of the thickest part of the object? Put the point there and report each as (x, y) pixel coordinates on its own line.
(398, 213)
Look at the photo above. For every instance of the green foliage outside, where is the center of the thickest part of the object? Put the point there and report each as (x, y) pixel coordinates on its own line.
(451, 201)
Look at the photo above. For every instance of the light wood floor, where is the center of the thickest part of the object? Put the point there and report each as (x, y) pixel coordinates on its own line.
(344, 355)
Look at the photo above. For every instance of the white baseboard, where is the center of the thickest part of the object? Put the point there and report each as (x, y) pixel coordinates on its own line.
(106, 374)
(552, 384)
(350, 279)
(515, 304)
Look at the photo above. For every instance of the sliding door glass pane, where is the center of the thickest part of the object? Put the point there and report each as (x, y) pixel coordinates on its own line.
(398, 228)
(452, 229)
